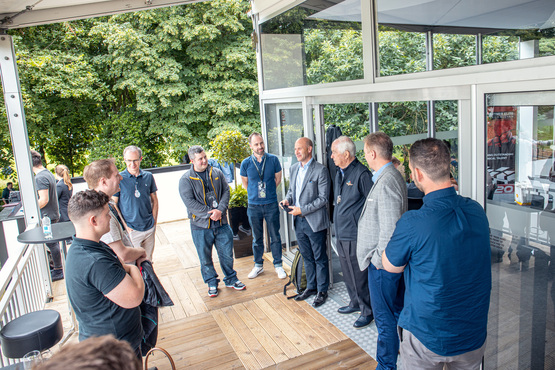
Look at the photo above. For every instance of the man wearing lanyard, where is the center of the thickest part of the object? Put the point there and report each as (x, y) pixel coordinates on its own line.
(205, 192)
(353, 182)
(138, 201)
(261, 175)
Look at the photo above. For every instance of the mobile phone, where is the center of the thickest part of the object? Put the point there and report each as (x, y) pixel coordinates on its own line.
(286, 208)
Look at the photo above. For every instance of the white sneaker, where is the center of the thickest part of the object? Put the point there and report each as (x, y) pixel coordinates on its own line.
(281, 272)
(255, 272)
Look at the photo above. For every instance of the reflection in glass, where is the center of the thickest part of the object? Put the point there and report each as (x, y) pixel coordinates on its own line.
(510, 30)
(314, 42)
(520, 188)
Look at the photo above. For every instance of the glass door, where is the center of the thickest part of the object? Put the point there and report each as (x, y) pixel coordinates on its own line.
(284, 125)
(520, 191)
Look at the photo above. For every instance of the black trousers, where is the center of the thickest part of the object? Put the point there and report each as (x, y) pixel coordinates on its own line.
(355, 280)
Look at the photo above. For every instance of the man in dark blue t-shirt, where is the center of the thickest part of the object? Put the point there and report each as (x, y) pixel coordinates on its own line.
(104, 292)
(261, 175)
(443, 249)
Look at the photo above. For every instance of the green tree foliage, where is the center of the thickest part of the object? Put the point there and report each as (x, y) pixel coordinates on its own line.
(230, 146)
(161, 79)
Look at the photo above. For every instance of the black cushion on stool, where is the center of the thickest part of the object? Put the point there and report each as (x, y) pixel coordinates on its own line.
(38, 330)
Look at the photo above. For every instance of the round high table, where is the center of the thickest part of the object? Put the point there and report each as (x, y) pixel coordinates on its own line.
(61, 232)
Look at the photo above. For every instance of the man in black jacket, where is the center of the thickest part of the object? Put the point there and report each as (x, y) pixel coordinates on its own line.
(205, 192)
(353, 182)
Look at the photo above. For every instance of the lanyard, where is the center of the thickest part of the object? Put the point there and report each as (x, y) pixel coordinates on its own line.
(260, 174)
(206, 184)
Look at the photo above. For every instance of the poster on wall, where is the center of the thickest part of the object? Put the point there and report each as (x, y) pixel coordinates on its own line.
(501, 152)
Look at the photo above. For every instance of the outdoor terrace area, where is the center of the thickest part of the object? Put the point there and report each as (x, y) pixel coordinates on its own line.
(253, 329)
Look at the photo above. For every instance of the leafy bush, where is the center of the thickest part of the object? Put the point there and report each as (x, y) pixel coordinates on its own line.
(238, 197)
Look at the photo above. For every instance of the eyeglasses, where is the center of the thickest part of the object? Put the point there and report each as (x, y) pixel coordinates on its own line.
(132, 160)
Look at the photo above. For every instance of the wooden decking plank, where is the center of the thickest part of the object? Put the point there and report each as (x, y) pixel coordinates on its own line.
(184, 285)
(257, 349)
(271, 347)
(177, 309)
(293, 335)
(243, 352)
(318, 328)
(305, 330)
(323, 321)
(281, 340)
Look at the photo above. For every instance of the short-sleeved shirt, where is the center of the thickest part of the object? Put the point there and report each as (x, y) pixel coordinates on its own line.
(445, 247)
(6, 195)
(117, 232)
(45, 181)
(250, 168)
(92, 271)
(137, 212)
(64, 195)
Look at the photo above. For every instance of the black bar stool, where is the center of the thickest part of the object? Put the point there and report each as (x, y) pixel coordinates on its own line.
(39, 330)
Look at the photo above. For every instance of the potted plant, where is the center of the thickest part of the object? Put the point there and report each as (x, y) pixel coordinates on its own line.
(232, 147)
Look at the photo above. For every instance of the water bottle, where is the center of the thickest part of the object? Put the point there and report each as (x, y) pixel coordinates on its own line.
(47, 227)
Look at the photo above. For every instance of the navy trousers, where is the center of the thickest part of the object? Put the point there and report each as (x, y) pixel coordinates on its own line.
(387, 292)
(313, 249)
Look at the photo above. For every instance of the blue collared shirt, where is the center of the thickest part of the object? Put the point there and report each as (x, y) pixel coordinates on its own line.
(301, 174)
(376, 174)
(445, 247)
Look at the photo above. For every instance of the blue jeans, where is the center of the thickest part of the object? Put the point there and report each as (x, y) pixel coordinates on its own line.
(313, 249)
(387, 292)
(222, 239)
(257, 214)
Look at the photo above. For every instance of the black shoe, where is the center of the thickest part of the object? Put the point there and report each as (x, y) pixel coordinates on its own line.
(363, 321)
(57, 274)
(304, 295)
(320, 299)
(347, 310)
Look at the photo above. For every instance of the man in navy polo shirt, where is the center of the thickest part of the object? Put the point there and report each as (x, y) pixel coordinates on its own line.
(138, 201)
(261, 175)
(444, 251)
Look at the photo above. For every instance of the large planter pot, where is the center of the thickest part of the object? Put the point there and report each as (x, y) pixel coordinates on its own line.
(238, 217)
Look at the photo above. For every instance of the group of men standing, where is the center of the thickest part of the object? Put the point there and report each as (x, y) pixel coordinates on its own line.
(112, 240)
(423, 276)
(440, 253)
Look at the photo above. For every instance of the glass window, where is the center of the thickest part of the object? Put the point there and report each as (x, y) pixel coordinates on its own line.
(509, 31)
(314, 42)
(520, 189)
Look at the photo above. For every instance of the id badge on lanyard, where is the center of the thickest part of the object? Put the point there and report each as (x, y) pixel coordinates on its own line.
(261, 183)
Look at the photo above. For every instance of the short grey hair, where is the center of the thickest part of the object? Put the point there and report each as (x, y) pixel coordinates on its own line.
(132, 148)
(194, 150)
(345, 144)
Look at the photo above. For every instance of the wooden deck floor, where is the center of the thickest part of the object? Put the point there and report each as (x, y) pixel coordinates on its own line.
(253, 329)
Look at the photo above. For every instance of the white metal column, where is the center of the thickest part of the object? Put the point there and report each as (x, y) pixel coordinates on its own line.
(20, 144)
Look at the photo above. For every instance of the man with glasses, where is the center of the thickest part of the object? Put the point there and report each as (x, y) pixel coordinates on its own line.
(138, 201)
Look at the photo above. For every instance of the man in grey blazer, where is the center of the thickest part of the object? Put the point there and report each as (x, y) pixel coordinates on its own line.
(385, 204)
(307, 200)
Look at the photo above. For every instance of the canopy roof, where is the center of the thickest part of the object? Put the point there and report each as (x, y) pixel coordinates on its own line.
(25, 13)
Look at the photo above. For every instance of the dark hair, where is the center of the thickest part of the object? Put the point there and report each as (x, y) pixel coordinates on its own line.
(85, 202)
(9, 183)
(97, 170)
(395, 161)
(253, 135)
(193, 151)
(381, 143)
(36, 158)
(432, 157)
(95, 353)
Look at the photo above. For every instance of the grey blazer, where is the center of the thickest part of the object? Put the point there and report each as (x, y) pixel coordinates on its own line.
(314, 194)
(385, 204)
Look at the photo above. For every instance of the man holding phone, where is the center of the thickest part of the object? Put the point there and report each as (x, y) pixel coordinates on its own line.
(307, 200)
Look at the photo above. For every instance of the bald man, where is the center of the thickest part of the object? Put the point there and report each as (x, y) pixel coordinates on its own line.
(307, 202)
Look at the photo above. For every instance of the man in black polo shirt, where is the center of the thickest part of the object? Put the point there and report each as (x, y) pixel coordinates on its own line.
(353, 182)
(104, 292)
